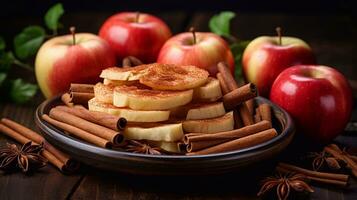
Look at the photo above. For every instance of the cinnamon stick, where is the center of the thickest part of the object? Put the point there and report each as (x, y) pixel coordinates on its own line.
(320, 180)
(86, 136)
(66, 99)
(227, 75)
(181, 146)
(110, 121)
(233, 134)
(224, 87)
(198, 145)
(100, 131)
(13, 134)
(65, 165)
(237, 119)
(229, 85)
(337, 179)
(265, 111)
(81, 97)
(240, 143)
(121, 123)
(239, 95)
(340, 177)
(250, 105)
(257, 116)
(83, 88)
(53, 160)
(245, 114)
(26, 132)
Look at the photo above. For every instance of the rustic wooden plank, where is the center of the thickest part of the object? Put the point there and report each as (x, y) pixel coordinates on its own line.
(109, 186)
(48, 183)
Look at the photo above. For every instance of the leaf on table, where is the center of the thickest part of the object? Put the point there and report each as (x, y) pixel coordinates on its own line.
(53, 15)
(21, 91)
(2, 78)
(220, 23)
(6, 60)
(2, 43)
(237, 50)
(29, 41)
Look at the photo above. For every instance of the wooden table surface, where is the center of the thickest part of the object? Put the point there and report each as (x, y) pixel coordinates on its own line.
(333, 39)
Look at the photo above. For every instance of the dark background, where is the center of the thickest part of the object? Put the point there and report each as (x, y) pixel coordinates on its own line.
(31, 11)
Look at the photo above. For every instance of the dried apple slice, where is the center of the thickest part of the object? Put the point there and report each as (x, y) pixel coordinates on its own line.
(173, 77)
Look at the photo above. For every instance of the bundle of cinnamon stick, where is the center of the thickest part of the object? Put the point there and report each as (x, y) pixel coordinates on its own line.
(23, 135)
(78, 94)
(252, 125)
(98, 128)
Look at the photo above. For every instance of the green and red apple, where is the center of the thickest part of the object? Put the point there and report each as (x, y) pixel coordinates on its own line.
(66, 59)
(135, 34)
(204, 50)
(265, 57)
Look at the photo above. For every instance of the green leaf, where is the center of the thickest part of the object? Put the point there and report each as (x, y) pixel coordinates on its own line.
(29, 41)
(219, 23)
(2, 78)
(6, 60)
(2, 44)
(237, 50)
(21, 91)
(53, 15)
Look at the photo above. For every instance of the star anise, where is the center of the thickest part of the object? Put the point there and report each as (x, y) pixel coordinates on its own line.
(136, 146)
(323, 159)
(28, 158)
(284, 184)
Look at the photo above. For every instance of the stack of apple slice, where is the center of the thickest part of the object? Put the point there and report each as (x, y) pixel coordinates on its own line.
(162, 101)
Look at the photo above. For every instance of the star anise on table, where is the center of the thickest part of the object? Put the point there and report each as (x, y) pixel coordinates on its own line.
(283, 184)
(324, 159)
(27, 158)
(136, 146)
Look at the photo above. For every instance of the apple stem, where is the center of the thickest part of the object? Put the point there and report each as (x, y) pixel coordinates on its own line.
(72, 29)
(192, 30)
(278, 31)
(137, 15)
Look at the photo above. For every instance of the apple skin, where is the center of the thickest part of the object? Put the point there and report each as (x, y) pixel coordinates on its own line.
(59, 63)
(209, 50)
(142, 39)
(264, 59)
(318, 98)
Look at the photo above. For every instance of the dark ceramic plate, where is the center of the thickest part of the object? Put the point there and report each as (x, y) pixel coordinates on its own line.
(168, 164)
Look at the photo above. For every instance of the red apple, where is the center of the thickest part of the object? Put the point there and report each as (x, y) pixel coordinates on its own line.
(203, 50)
(264, 59)
(318, 98)
(59, 62)
(135, 34)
